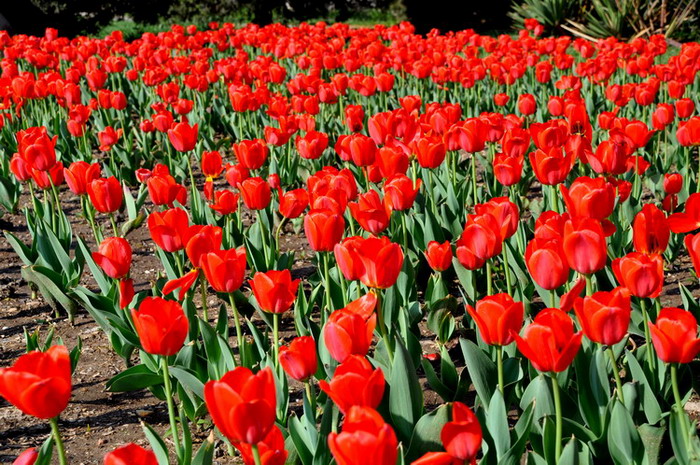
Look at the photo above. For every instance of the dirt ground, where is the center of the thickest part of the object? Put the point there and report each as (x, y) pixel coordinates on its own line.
(97, 421)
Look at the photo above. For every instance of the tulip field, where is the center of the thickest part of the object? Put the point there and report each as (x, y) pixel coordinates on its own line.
(323, 244)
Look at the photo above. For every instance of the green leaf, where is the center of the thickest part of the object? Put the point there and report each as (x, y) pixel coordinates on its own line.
(205, 454)
(481, 369)
(157, 444)
(522, 433)
(575, 453)
(189, 381)
(45, 452)
(302, 441)
(426, 434)
(497, 424)
(650, 405)
(133, 379)
(405, 395)
(624, 442)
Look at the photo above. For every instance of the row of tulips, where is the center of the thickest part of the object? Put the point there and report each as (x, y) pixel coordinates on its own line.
(441, 261)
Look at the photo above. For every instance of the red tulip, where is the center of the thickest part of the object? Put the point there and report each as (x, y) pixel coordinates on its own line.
(642, 274)
(293, 203)
(204, 240)
(673, 183)
(675, 336)
(36, 148)
(584, 245)
(365, 439)
(349, 330)
(480, 241)
(20, 168)
(527, 104)
(323, 229)
(161, 325)
(211, 165)
(439, 256)
(552, 166)
(662, 116)
(271, 449)
(462, 436)
(505, 213)
(131, 454)
(242, 404)
(355, 383)
(589, 198)
(39, 383)
(430, 152)
(114, 257)
(170, 229)
(251, 154)
(401, 192)
(298, 359)
(354, 117)
(225, 269)
(28, 457)
(391, 161)
(549, 342)
(497, 317)
(547, 263)
(312, 145)
(183, 136)
(650, 230)
(236, 174)
(605, 316)
(163, 189)
(690, 219)
(692, 244)
(685, 107)
(79, 174)
(358, 148)
(109, 137)
(508, 170)
(256, 193)
(371, 212)
(106, 195)
(274, 290)
(48, 179)
(376, 262)
(225, 202)
(501, 99)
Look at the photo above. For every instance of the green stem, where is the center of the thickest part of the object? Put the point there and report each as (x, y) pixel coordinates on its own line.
(327, 282)
(506, 269)
(203, 290)
(311, 397)
(499, 362)
(256, 454)
(114, 224)
(275, 337)
(647, 336)
(557, 412)
(489, 278)
(553, 198)
(237, 322)
(383, 330)
(616, 372)
(405, 232)
(474, 191)
(277, 233)
(679, 407)
(60, 450)
(589, 285)
(171, 405)
(553, 296)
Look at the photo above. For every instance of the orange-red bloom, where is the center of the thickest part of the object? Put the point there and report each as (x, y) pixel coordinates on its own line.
(642, 274)
(39, 383)
(105, 194)
(498, 317)
(298, 359)
(323, 229)
(131, 454)
(355, 383)
(161, 325)
(349, 330)
(604, 316)
(439, 256)
(225, 269)
(274, 290)
(365, 438)
(674, 336)
(375, 261)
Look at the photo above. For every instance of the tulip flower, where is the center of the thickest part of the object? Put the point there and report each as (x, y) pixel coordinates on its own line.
(461, 437)
(293, 203)
(256, 193)
(439, 256)
(692, 245)
(242, 404)
(312, 145)
(479, 242)
(550, 344)
(323, 229)
(36, 148)
(183, 137)
(164, 190)
(349, 330)
(551, 166)
(365, 438)
(298, 359)
(376, 262)
(689, 220)
(673, 182)
(39, 384)
(114, 257)
(275, 292)
(604, 316)
(211, 165)
(372, 213)
(651, 231)
(170, 229)
(355, 383)
(79, 174)
(507, 169)
(106, 194)
(584, 245)
(224, 269)
(589, 198)
(109, 137)
(547, 263)
(161, 326)
(527, 104)
(225, 202)
(401, 192)
(131, 454)
(251, 154)
(270, 450)
(28, 457)
(642, 274)
(675, 336)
